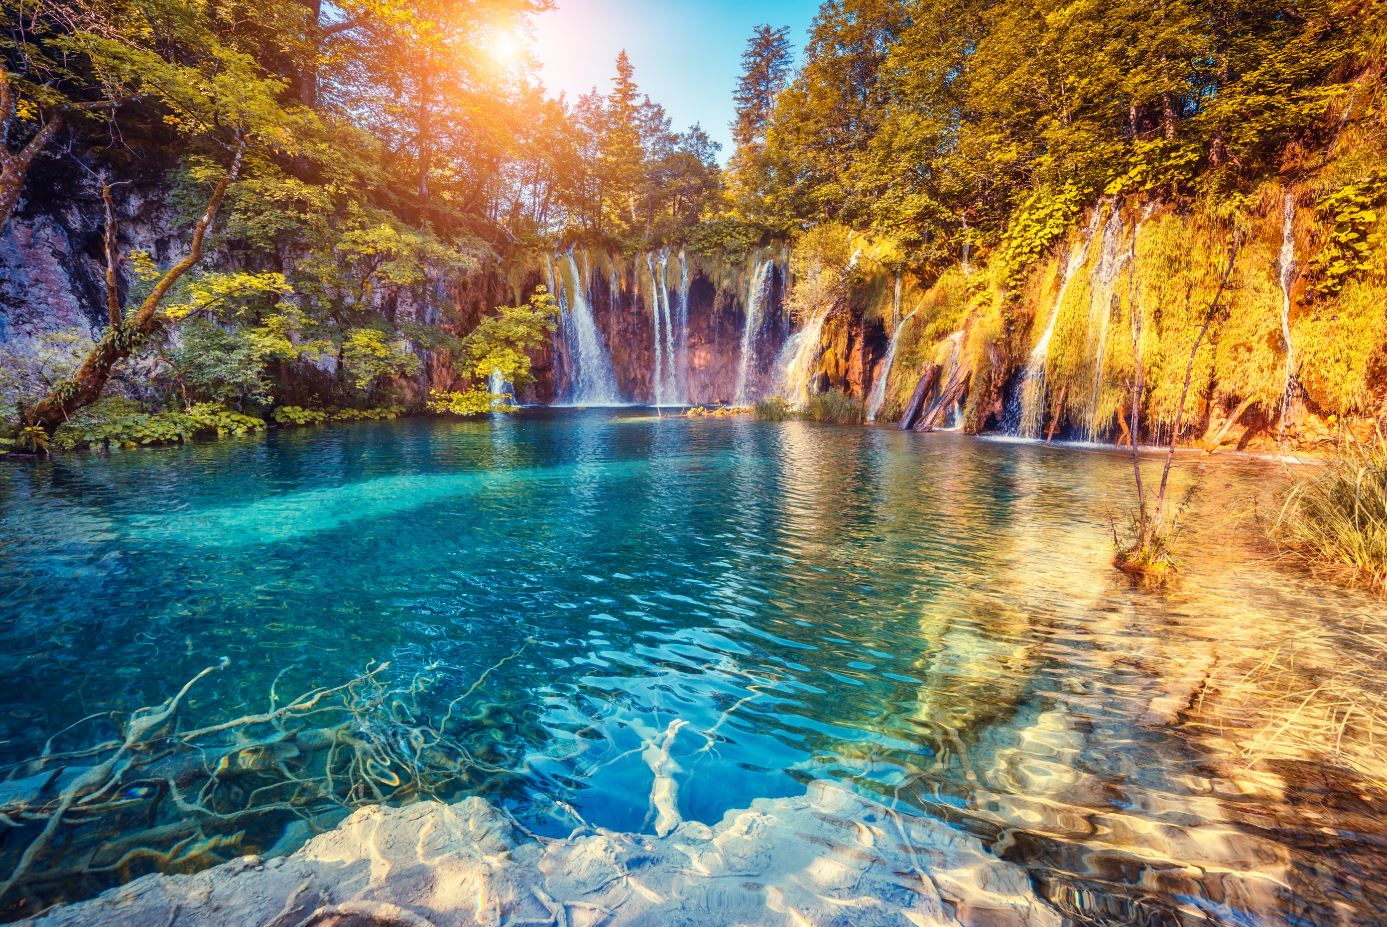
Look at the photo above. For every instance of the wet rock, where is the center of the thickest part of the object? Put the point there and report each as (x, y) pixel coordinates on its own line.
(827, 857)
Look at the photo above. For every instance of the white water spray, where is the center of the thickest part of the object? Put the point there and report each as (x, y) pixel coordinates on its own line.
(879, 387)
(1102, 280)
(592, 382)
(682, 319)
(665, 380)
(757, 291)
(795, 367)
(1033, 387)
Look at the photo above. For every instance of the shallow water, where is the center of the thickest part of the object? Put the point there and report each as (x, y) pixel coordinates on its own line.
(929, 616)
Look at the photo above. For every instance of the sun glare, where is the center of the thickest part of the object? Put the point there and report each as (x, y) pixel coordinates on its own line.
(505, 47)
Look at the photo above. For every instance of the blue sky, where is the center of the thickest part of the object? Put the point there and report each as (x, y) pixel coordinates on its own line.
(686, 52)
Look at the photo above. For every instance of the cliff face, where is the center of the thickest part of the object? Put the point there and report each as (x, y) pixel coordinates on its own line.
(52, 290)
(677, 335)
(1285, 360)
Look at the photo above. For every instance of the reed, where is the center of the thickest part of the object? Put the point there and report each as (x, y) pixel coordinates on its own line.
(1337, 518)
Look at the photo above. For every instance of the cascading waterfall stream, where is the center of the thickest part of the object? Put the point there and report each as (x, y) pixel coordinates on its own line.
(879, 387)
(1286, 267)
(657, 379)
(665, 379)
(795, 365)
(671, 382)
(757, 291)
(683, 319)
(500, 389)
(1102, 280)
(1033, 386)
(593, 382)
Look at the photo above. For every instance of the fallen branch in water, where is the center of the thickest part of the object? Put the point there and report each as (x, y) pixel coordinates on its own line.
(168, 799)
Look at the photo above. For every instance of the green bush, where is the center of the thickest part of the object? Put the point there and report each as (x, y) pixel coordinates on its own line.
(773, 409)
(121, 422)
(835, 406)
(299, 415)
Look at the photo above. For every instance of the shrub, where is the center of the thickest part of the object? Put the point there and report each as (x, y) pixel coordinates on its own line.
(298, 415)
(773, 409)
(835, 406)
(1338, 517)
(476, 401)
(121, 422)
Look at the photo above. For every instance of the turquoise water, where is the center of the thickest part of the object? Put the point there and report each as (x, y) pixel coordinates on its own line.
(930, 616)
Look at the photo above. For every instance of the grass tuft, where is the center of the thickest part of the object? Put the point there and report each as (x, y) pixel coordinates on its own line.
(1338, 517)
(837, 407)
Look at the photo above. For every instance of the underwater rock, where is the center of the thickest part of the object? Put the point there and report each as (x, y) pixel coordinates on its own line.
(829, 857)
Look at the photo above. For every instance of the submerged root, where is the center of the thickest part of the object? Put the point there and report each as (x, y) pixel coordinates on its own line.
(168, 797)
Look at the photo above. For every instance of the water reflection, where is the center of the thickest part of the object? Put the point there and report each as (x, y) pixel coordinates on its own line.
(930, 617)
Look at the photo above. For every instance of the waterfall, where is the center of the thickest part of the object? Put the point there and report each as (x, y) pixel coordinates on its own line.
(665, 379)
(795, 365)
(657, 378)
(500, 389)
(757, 290)
(1111, 258)
(683, 323)
(671, 385)
(879, 387)
(592, 381)
(1286, 268)
(1033, 386)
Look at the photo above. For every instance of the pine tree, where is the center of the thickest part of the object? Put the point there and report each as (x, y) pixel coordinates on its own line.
(765, 73)
(622, 159)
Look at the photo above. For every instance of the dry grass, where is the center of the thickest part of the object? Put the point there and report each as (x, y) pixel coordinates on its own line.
(1338, 517)
(1300, 703)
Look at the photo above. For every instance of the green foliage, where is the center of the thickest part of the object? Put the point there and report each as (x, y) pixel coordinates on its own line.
(1156, 164)
(29, 369)
(835, 406)
(1352, 215)
(121, 423)
(1042, 219)
(369, 355)
(773, 409)
(467, 404)
(216, 363)
(726, 238)
(298, 415)
(825, 265)
(502, 343)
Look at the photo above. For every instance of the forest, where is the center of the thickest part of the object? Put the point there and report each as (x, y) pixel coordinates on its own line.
(364, 175)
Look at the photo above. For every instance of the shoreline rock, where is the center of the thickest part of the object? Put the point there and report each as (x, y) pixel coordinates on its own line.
(829, 857)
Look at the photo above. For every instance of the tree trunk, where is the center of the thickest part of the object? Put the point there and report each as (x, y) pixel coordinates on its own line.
(121, 341)
(14, 166)
(917, 399)
(953, 390)
(113, 308)
(1213, 445)
(1058, 414)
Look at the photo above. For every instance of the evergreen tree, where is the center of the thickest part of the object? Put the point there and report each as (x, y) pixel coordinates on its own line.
(765, 73)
